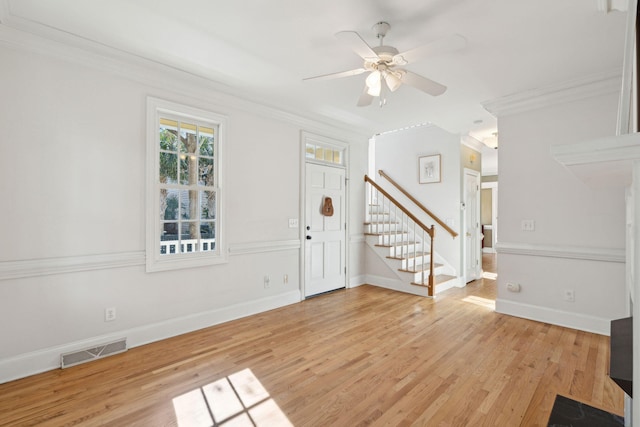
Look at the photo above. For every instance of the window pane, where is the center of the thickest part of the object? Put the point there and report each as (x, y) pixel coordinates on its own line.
(168, 135)
(168, 168)
(189, 231)
(205, 171)
(188, 141)
(188, 204)
(207, 205)
(208, 236)
(328, 155)
(188, 170)
(206, 142)
(169, 232)
(168, 204)
(310, 151)
(337, 157)
(319, 153)
(207, 230)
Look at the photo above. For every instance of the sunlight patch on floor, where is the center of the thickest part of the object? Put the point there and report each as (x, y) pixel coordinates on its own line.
(490, 276)
(237, 400)
(483, 302)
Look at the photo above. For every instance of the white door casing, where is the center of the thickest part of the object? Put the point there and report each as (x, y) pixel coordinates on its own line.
(325, 236)
(493, 186)
(472, 242)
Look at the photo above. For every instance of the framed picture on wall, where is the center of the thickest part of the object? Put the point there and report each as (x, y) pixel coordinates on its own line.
(429, 169)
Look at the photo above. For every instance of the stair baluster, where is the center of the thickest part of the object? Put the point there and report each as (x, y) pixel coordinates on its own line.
(383, 209)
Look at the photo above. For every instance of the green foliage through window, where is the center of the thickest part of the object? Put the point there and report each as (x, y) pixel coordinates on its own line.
(187, 186)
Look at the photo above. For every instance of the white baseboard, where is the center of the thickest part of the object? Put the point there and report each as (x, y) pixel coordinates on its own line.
(555, 317)
(396, 285)
(357, 281)
(458, 282)
(49, 358)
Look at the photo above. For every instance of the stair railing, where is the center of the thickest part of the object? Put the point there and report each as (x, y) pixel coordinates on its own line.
(420, 205)
(414, 226)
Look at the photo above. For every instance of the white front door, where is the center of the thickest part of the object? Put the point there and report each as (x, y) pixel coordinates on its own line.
(325, 234)
(472, 242)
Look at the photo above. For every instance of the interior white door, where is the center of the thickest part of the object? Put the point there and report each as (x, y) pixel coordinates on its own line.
(325, 257)
(473, 247)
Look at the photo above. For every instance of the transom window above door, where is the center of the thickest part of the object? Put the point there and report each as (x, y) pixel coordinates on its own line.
(325, 153)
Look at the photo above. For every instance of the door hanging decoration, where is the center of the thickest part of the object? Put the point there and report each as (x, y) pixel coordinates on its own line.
(327, 207)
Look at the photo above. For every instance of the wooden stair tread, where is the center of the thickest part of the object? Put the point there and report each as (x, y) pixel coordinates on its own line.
(381, 223)
(386, 233)
(398, 245)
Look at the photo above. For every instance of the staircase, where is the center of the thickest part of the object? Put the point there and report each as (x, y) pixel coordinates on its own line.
(406, 254)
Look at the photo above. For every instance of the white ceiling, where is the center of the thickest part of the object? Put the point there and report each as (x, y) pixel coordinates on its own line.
(261, 50)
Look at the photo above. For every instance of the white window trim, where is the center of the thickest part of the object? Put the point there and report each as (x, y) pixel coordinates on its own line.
(154, 261)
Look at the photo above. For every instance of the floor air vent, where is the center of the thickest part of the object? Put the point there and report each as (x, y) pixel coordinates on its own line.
(93, 353)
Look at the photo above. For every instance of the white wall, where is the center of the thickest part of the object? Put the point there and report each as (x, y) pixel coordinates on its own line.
(397, 153)
(578, 242)
(72, 175)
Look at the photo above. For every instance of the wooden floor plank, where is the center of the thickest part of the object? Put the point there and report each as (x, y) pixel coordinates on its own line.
(356, 357)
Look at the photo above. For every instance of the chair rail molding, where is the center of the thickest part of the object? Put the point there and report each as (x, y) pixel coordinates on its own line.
(46, 266)
(558, 251)
(261, 247)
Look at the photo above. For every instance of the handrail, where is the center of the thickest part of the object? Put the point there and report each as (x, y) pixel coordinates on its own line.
(430, 231)
(420, 205)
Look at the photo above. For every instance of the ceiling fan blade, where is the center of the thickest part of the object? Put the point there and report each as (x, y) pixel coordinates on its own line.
(443, 45)
(422, 83)
(358, 45)
(365, 99)
(348, 73)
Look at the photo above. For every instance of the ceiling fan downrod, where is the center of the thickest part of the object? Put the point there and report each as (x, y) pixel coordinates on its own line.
(381, 29)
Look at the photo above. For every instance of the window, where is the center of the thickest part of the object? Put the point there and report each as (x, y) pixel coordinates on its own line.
(324, 153)
(184, 191)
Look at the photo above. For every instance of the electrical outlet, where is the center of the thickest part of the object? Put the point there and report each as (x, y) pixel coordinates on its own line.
(109, 314)
(528, 225)
(293, 222)
(267, 282)
(513, 287)
(569, 295)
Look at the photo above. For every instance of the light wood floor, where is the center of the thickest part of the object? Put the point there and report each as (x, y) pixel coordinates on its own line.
(363, 356)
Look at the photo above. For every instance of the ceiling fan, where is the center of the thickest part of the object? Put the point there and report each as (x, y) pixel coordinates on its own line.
(383, 64)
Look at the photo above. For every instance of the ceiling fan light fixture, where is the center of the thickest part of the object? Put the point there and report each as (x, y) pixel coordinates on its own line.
(393, 79)
(374, 84)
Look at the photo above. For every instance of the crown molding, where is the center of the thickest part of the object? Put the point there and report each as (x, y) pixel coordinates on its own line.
(472, 143)
(569, 91)
(603, 162)
(19, 34)
(607, 149)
